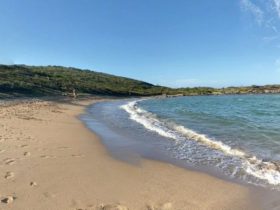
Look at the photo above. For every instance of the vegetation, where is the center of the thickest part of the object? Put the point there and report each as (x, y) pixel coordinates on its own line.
(231, 90)
(22, 80)
(57, 80)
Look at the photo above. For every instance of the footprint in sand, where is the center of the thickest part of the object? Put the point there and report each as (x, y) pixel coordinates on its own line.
(8, 199)
(24, 145)
(9, 161)
(112, 207)
(33, 184)
(165, 206)
(47, 156)
(9, 175)
(89, 208)
(79, 155)
(49, 195)
(26, 153)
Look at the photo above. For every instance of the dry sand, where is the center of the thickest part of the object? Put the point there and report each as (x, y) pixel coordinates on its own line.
(50, 161)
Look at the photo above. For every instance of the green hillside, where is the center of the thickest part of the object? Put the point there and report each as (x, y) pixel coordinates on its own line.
(21, 80)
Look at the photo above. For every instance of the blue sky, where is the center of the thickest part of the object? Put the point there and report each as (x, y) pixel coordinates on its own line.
(175, 43)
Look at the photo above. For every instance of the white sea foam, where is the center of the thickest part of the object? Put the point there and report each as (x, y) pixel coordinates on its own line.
(263, 170)
(147, 120)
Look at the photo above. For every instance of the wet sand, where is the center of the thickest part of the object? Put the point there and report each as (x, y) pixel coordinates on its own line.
(50, 160)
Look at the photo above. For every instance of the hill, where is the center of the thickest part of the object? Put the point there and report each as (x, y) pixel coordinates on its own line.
(22, 80)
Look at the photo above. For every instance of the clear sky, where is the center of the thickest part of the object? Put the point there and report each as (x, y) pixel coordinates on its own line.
(167, 42)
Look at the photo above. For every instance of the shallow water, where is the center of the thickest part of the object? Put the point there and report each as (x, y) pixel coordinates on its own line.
(235, 136)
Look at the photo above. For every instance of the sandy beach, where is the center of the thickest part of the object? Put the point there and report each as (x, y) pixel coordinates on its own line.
(51, 161)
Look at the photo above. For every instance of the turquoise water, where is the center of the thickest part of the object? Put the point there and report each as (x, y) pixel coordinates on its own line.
(238, 135)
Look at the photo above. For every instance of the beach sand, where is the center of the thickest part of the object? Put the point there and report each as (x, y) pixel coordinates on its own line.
(50, 161)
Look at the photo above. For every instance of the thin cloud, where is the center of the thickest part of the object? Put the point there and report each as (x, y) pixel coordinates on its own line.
(266, 13)
(270, 38)
(270, 22)
(256, 11)
(277, 6)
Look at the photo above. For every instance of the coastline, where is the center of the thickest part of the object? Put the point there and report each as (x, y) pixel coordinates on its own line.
(50, 160)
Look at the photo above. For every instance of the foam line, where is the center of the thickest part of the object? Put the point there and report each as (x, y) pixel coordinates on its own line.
(264, 170)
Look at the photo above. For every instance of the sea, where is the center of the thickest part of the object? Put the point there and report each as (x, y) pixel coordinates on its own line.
(232, 136)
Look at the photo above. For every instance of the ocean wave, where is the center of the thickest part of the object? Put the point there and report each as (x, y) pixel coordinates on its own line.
(267, 171)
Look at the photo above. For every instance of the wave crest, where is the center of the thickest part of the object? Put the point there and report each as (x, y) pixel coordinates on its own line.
(267, 171)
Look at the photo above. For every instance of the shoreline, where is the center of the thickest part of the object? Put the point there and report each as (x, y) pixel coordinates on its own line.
(51, 160)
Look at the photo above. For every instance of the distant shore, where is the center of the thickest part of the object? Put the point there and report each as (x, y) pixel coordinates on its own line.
(50, 160)
(35, 81)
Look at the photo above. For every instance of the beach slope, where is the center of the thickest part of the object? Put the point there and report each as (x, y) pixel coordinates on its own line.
(50, 160)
